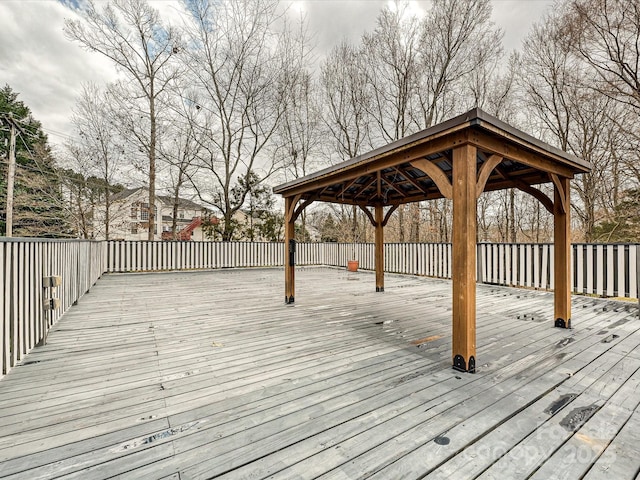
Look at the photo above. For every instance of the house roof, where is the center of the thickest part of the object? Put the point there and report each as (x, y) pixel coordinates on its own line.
(127, 192)
(395, 174)
(182, 202)
(166, 199)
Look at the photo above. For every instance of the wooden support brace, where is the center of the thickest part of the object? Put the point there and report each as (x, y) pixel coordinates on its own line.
(538, 194)
(388, 215)
(302, 206)
(437, 175)
(290, 207)
(560, 187)
(485, 172)
(368, 214)
(526, 188)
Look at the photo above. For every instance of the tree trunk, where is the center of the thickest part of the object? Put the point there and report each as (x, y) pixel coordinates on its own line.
(107, 209)
(152, 164)
(174, 220)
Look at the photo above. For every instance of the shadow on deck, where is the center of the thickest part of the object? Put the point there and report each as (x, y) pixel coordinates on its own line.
(209, 375)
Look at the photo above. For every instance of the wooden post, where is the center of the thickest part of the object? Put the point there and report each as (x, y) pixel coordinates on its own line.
(464, 258)
(289, 250)
(379, 253)
(562, 252)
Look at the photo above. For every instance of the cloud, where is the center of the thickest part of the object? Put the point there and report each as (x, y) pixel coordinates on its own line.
(332, 21)
(48, 70)
(516, 17)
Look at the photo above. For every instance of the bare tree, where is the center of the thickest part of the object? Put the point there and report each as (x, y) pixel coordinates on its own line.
(300, 136)
(131, 34)
(179, 154)
(458, 49)
(458, 39)
(557, 88)
(391, 51)
(346, 100)
(606, 34)
(235, 66)
(99, 151)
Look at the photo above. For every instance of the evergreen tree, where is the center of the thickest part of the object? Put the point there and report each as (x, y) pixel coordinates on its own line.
(624, 224)
(38, 204)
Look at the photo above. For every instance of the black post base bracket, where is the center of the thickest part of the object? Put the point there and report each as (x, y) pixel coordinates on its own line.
(379, 289)
(560, 323)
(460, 365)
(288, 300)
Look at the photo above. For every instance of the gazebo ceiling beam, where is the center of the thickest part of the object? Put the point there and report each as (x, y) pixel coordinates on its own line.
(365, 186)
(519, 154)
(387, 160)
(348, 185)
(410, 180)
(392, 184)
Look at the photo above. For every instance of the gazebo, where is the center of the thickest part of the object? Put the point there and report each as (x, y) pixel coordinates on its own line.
(457, 159)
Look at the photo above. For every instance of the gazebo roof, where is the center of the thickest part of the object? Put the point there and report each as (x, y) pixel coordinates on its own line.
(395, 174)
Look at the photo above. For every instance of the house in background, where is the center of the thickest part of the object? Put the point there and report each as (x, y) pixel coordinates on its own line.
(129, 217)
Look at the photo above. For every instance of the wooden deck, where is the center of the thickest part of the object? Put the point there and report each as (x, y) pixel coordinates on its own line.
(210, 375)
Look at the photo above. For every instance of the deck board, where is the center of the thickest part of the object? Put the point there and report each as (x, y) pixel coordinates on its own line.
(208, 374)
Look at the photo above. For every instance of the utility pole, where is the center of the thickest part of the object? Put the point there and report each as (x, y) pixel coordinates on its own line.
(13, 125)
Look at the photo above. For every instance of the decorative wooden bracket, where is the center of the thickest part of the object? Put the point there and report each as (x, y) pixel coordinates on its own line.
(369, 214)
(538, 194)
(294, 213)
(485, 172)
(563, 195)
(302, 206)
(291, 212)
(388, 215)
(526, 188)
(437, 175)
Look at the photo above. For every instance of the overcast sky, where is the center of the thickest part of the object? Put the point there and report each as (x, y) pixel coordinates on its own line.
(47, 70)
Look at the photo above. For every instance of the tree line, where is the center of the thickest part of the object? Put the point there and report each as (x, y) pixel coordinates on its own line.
(225, 99)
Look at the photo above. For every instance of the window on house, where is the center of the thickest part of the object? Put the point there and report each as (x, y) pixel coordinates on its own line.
(134, 211)
(181, 214)
(144, 211)
(134, 228)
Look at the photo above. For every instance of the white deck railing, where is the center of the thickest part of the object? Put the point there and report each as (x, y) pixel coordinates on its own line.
(604, 270)
(608, 270)
(23, 265)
